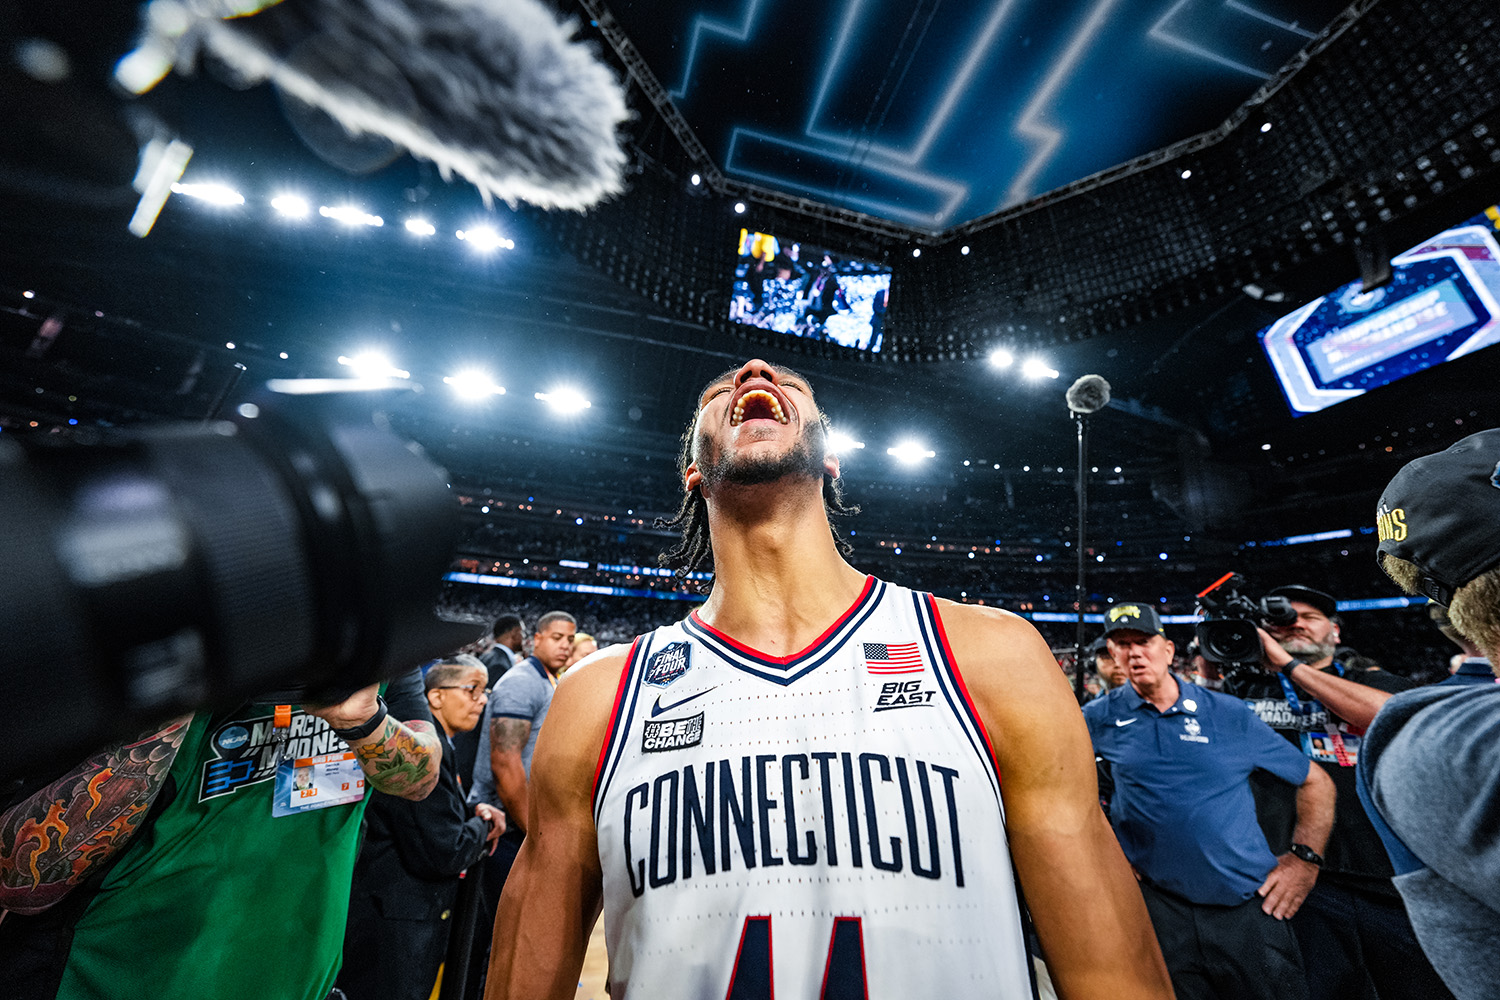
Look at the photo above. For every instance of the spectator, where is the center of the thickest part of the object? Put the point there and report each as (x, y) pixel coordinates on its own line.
(1180, 757)
(1355, 936)
(512, 719)
(406, 878)
(1429, 760)
(584, 646)
(1111, 674)
(509, 639)
(191, 846)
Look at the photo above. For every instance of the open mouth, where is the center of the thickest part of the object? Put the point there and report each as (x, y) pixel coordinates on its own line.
(757, 404)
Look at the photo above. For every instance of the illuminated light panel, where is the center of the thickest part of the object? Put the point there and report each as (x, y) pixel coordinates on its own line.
(291, 206)
(1001, 358)
(565, 400)
(371, 364)
(420, 227)
(350, 215)
(215, 194)
(910, 452)
(1035, 368)
(474, 385)
(841, 443)
(485, 239)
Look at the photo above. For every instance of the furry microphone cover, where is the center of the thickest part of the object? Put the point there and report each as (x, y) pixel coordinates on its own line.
(495, 91)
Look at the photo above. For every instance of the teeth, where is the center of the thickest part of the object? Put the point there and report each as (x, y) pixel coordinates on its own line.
(738, 416)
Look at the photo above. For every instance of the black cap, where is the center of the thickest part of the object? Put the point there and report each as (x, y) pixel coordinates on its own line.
(1306, 595)
(1098, 648)
(1133, 617)
(1442, 512)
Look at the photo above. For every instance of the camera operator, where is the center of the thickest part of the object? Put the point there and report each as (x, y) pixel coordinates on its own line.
(1355, 936)
(1428, 763)
(142, 848)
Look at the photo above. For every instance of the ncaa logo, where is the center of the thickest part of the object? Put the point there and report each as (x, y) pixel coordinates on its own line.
(233, 737)
(666, 666)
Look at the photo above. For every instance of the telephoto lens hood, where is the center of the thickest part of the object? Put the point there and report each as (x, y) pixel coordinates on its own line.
(298, 548)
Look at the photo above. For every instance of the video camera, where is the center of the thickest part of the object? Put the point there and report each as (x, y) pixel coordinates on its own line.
(296, 552)
(1227, 635)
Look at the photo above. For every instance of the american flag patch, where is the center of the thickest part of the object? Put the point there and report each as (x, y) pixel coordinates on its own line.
(892, 658)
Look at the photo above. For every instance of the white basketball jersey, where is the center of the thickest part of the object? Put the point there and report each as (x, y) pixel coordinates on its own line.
(821, 825)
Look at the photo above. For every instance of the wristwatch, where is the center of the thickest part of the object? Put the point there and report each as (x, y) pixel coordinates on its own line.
(1307, 854)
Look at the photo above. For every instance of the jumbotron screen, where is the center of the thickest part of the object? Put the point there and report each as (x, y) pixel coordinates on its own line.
(806, 291)
(1442, 303)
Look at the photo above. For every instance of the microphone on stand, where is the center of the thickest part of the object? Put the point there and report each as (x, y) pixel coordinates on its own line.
(1089, 394)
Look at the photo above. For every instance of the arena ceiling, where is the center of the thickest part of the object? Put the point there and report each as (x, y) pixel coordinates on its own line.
(930, 114)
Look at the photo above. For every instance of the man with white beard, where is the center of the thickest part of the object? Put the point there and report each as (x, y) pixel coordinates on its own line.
(1355, 936)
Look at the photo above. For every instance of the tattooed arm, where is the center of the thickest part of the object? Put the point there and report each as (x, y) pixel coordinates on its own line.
(507, 737)
(398, 758)
(53, 840)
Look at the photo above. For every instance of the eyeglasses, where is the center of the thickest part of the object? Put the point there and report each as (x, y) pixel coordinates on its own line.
(476, 693)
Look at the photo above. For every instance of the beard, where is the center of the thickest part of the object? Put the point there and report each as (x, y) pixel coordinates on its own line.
(1302, 646)
(804, 460)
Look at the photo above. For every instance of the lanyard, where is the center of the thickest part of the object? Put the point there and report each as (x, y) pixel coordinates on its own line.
(1291, 691)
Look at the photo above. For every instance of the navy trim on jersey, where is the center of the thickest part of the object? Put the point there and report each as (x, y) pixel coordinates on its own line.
(948, 684)
(623, 718)
(789, 670)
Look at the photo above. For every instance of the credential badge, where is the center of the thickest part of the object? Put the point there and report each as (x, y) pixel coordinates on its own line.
(669, 664)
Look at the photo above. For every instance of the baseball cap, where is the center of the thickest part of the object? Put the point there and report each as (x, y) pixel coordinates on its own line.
(1307, 595)
(1442, 513)
(1133, 617)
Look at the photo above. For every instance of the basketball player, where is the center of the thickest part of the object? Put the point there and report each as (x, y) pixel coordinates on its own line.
(798, 788)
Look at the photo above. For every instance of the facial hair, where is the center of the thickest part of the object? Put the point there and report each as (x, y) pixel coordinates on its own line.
(1302, 646)
(802, 460)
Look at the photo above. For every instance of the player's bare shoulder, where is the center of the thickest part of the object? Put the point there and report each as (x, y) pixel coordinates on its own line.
(998, 650)
(585, 698)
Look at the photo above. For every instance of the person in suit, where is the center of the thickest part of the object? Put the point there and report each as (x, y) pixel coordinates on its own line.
(407, 875)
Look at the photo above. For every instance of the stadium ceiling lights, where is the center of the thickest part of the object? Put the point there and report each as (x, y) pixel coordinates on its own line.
(1001, 358)
(1035, 368)
(350, 215)
(474, 385)
(565, 400)
(420, 227)
(910, 452)
(371, 364)
(840, 443)
(215, 194)
(485, 240)
(291, 206)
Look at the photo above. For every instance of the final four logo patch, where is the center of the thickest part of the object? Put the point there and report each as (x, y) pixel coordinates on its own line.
(669, 664)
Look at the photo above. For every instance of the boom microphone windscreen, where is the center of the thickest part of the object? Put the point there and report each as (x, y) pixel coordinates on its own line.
(1088, 394)
(496, 91)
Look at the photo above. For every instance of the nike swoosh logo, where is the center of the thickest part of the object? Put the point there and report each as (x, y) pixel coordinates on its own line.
(1125, 722)
(659, 708)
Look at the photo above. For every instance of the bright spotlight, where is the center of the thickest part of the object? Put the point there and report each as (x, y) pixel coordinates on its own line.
(291, 206)
(485, 239)
(697, 179)
(420, 227)
(1265, 127)
(1186, 174)
(910, 452)
(350, 215)
(565, 400)
(1035, 368)
(474, 385)
(283, 355)
(916, 251)
(964, 250)
(840, 443)
(1001, 358)
(739, 208)
(214, 194)
(370, 364)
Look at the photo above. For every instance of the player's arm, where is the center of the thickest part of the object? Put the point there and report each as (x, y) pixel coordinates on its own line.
(54, 839)
(398, 758)
(553, 893)
(1095, 932)
(507, 739)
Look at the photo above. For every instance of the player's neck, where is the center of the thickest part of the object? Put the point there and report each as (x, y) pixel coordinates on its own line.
(779, 580)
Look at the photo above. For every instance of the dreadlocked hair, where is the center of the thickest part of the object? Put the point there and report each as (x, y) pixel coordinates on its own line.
(694, 550)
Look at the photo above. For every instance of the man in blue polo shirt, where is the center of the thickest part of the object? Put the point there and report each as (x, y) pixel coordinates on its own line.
(1181, 757)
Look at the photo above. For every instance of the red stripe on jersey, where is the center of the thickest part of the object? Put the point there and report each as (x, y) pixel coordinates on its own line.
(963, 688)
(614, 718)
(812, 647)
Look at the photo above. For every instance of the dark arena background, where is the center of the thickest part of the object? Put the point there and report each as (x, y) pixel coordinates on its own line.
(1269, 225)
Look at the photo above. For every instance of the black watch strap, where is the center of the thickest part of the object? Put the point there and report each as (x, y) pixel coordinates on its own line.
(372, 724)
(1307, 854)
